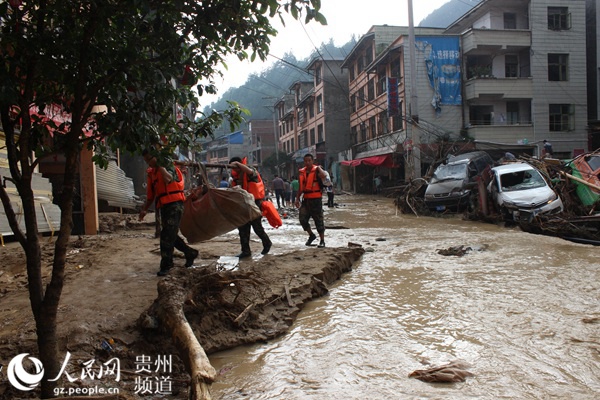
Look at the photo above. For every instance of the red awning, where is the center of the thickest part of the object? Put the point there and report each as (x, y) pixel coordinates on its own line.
(384, 160)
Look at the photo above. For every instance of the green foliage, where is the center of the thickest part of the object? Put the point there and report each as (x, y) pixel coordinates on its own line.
(260, 91)
(448, 13)
(130, 57)
(272, 161)
(113, 74)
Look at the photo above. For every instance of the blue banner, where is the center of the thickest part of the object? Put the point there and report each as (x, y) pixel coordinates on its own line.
(442, 60)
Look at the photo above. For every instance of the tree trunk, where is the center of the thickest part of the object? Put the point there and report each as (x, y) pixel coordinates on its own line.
(47, 313)
(169, 308)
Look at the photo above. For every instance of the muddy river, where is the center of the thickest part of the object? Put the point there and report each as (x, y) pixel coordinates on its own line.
(522, 310)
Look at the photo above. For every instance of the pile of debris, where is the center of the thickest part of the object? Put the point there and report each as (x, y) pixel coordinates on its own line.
(576, 182)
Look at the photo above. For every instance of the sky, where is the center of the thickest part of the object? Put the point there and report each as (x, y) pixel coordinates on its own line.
(344, 19)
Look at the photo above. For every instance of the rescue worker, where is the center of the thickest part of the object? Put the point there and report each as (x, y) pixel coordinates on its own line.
(250, 180)
(311, 192)
(165, 185)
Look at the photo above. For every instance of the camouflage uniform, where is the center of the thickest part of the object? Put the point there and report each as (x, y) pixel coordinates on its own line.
(170, 216)
(312, 208)
(256, 224)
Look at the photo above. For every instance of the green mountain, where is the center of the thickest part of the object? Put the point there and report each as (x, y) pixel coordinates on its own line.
(259, 92)
(448, 13)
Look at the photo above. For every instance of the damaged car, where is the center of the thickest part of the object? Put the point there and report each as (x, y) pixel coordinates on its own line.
(520, 192)
(452, 182)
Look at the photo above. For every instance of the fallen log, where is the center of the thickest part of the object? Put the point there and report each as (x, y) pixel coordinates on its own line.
(240, 306)
(169, 308)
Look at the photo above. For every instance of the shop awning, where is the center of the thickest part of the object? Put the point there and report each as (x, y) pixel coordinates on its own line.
(384, 160)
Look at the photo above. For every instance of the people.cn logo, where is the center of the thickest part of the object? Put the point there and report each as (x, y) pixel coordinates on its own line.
(22, 379)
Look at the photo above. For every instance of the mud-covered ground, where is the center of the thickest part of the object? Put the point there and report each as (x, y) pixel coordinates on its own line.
(110, 286)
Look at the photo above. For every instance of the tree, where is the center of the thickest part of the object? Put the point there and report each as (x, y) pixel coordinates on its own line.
(139, 60)
(276, 159)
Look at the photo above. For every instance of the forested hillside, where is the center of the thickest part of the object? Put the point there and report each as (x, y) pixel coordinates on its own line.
(260, 90)
(448, 13)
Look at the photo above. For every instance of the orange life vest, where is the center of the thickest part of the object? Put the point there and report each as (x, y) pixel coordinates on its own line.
(271, 214)
(309, 184)
(257, 189)
(163, 193)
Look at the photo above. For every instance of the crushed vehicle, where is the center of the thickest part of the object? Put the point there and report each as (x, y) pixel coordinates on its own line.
(452, 182)
(585, 171)
(520, 192)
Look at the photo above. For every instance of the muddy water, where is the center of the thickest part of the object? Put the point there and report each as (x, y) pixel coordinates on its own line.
(514, 309)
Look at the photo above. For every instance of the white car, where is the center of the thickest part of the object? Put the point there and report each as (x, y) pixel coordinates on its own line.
(520, 192)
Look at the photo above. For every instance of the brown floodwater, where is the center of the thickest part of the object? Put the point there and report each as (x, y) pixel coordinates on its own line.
(522, 310)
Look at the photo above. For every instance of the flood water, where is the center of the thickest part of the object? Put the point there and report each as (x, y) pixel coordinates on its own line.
(522, 310)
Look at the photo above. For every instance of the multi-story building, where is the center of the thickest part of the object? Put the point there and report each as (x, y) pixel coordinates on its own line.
(390, 115)
(525, 74)
(262, 141)
(286, 116)
(593, 71)
(316, 122)
(220, 151)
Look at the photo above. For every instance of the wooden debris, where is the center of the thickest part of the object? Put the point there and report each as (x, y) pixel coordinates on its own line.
(288, 295)
(243, 315)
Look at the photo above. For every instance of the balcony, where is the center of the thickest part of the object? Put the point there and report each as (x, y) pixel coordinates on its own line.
(482, 41)
(506, 134)
(383, 144)
(499, 88)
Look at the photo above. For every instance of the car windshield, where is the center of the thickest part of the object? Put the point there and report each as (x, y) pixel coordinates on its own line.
(449, 172)
(522, 180)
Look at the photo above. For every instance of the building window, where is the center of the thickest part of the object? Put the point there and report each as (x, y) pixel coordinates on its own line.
(512, 113)
(369, 55)
(511, 66)
(372, 128)
(361, 97)
(351, 69)
(559, 18)
(363, 132)
(395, 69)
(303, 139)
(318, 76)
(397, 122)
(382, 123)
(381, 83)
(360, 64)
(557, 67)
(320, 136)
(354, 133)
(312, 136)
(510, 21)
(311, 109)
(353, 102)
(371, 90)
(319, 104)
(561, 117)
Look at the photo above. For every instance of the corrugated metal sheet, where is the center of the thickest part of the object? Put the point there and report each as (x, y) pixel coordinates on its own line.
(115, 187)
(47, 215)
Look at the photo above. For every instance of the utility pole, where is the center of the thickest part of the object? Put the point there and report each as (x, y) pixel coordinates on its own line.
(414, 157)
